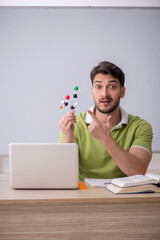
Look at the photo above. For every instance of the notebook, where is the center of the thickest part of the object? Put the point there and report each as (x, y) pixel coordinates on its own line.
(44, 166)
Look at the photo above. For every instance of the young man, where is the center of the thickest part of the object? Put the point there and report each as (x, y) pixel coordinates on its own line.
(111, 142)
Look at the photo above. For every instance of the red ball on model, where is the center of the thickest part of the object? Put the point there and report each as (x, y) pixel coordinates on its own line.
(67, 97)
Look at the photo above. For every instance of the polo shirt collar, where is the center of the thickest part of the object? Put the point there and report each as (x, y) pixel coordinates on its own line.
(124, 117)
(88, 119)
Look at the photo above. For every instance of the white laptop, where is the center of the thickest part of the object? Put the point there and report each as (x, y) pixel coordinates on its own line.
(44, 165)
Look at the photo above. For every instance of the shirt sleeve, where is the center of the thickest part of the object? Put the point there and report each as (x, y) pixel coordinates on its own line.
(143, 137)
(61, 137)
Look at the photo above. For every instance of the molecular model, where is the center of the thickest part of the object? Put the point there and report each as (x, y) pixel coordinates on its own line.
(67, 97)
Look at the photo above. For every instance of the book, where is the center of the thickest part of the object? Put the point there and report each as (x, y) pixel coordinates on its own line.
(93, 182)
(148, 188)
(135, 184)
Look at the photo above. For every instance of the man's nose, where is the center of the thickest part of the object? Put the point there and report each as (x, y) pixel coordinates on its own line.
(105, 92)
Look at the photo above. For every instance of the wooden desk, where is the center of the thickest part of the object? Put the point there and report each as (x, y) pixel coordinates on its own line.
(76, 214)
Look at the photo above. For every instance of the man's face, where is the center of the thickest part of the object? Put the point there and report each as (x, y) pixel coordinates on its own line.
(107, 92)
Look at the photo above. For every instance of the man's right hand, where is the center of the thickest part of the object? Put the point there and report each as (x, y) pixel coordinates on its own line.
(66, 124)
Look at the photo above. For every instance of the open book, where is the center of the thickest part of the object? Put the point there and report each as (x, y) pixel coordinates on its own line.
(93, 182)
(135, 184)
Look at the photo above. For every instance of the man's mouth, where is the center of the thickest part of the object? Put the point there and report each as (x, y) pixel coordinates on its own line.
(105, 100)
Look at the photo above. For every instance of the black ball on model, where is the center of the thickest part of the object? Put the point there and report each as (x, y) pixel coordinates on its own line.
(71, 107)
(65, 103)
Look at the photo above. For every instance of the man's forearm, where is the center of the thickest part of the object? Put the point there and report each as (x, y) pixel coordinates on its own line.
(66, 140)
(129, 163)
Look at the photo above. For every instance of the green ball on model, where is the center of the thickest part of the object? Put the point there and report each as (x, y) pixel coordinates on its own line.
(76, 88)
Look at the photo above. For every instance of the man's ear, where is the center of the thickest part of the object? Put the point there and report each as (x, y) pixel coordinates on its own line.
(92, 91)
(123, 89)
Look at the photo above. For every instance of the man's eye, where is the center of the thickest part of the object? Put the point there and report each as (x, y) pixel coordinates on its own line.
(98, 87)
(112, 86)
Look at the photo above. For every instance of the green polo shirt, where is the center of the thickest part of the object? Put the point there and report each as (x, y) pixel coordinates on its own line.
(94, 160)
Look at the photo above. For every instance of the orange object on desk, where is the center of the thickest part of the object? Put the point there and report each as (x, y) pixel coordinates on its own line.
(82, 186)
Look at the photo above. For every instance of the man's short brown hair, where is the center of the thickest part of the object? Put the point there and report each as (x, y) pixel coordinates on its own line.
(110, 69)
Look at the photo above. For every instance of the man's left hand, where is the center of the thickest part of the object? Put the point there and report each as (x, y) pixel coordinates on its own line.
(101, 131)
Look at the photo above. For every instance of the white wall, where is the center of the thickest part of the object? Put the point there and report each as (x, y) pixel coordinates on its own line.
(45, 52)
(82, 3)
